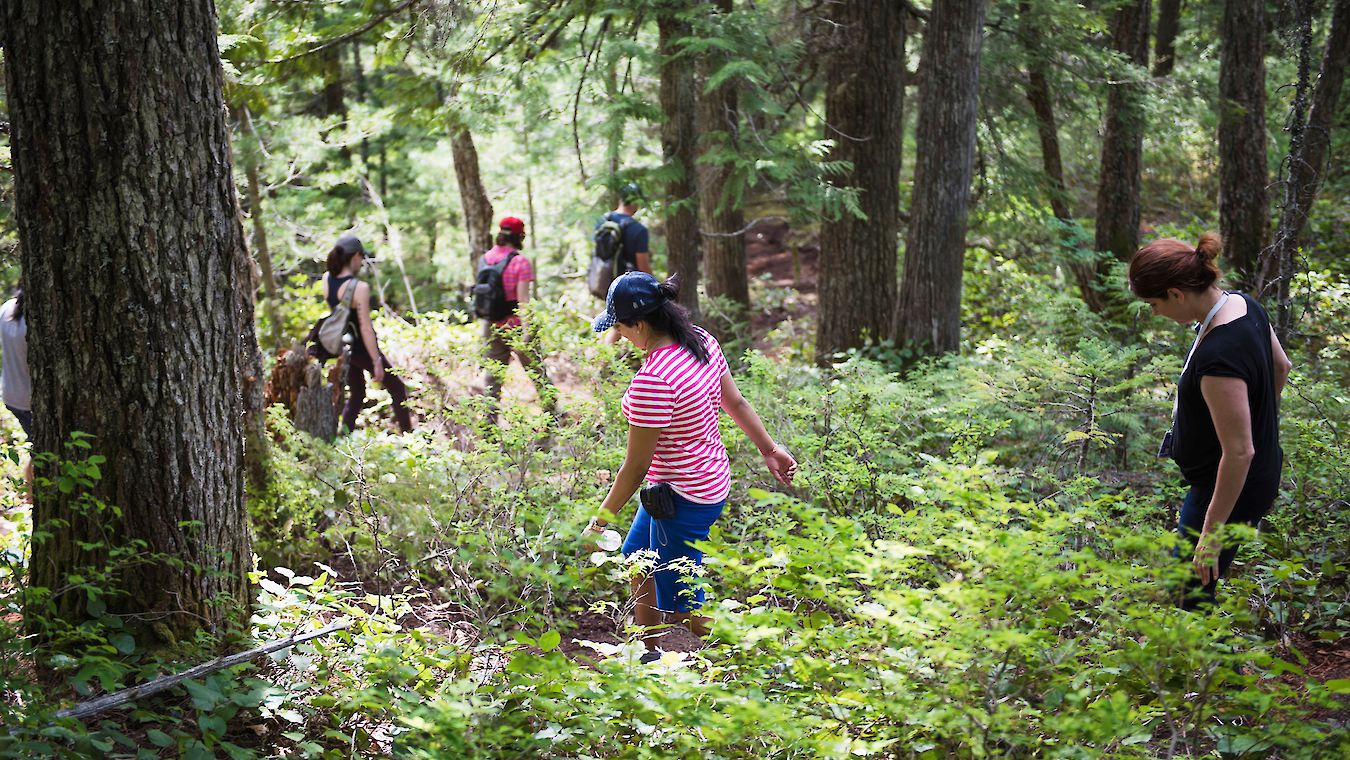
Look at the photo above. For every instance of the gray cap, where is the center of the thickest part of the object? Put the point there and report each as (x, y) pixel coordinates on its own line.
(352, 244)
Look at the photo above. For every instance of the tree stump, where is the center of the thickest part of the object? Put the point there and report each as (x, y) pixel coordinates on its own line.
(314, 401)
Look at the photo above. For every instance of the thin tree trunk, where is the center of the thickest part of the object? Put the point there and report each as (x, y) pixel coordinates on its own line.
(140, 308)
(864, 102)
(269, 279)
(1122, 144)
(678, 145)
(334, 95)
(614, 127)
(1164, 51)
(1322, 116)
(928, 317)
(1244, 213)
(538, 243)
(257, 443)
(472, 196)
(723, 252)
(359, 74)
(394, 239)
(1043, 106)
(1308, 143)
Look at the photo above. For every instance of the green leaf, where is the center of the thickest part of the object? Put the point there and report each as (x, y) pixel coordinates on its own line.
(125, 643)
(550, 640)
(203, 697)
(1338, 685)
(159, 738)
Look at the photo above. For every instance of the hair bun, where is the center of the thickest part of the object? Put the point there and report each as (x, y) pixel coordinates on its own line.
(671, 287)
(1209, 246)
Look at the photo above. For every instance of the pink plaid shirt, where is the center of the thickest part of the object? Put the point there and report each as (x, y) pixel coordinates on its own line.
(518, 271)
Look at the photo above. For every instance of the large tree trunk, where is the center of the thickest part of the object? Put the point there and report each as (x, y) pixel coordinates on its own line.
(1043, 106)
(472, 196)
(679, 142)
(1244, 215)
(1308, 144)
(723, 251)
(1123, 142)
(1164, 51)
(864, 102)
(139, 305)
(928, 317)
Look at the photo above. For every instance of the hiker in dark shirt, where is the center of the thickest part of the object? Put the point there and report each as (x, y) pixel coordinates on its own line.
(344, 263)
(1225, 435)
(636, 254)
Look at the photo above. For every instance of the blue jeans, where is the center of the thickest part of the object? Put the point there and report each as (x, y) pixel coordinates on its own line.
(672, 541)
(1191, 520)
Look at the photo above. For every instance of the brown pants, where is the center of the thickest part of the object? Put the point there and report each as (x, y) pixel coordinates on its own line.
(499, 350)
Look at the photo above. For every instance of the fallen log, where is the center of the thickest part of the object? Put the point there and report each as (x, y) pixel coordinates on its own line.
(109, 701)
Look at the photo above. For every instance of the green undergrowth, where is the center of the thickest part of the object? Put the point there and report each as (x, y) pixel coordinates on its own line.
(975, 561)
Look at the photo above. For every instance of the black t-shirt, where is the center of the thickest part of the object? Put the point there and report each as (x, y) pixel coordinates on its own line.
(336, 285)
(635, 238)
(1239, 349)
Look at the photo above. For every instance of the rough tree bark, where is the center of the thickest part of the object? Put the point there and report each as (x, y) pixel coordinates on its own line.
(1042, 103)
(723, 253)
(1308, 143)
(140, 306)
(864, 101)
(473, 197)
(1244, 214)
(679, 143)
(928, 315)
(1164, 50)
(1117, 230)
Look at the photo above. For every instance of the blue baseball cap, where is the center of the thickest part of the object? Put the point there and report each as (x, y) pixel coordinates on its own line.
(631, 295)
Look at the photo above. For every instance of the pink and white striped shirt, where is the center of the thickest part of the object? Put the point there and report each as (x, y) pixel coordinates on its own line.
(673, 391)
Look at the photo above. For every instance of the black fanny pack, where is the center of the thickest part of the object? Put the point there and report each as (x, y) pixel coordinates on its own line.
(658, 500)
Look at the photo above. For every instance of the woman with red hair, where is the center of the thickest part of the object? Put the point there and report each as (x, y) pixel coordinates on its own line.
(1225, 435)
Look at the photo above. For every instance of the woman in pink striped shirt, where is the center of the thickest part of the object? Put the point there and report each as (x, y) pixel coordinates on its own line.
(673, 438)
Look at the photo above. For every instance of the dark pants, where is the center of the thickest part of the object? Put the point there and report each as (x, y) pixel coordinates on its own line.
(1249, 510)
(499, 352)
(358, 366)
(25, 418)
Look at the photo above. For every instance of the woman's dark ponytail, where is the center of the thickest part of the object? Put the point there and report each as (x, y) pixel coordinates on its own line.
(673, 319)
(505, 237)
(17, 314)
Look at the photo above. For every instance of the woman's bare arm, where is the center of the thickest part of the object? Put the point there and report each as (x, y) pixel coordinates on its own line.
(361, 302)
(636, 461)
(779, 462)
(1226, 398)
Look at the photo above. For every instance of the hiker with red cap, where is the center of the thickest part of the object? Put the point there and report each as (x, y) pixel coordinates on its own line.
(503, 285)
